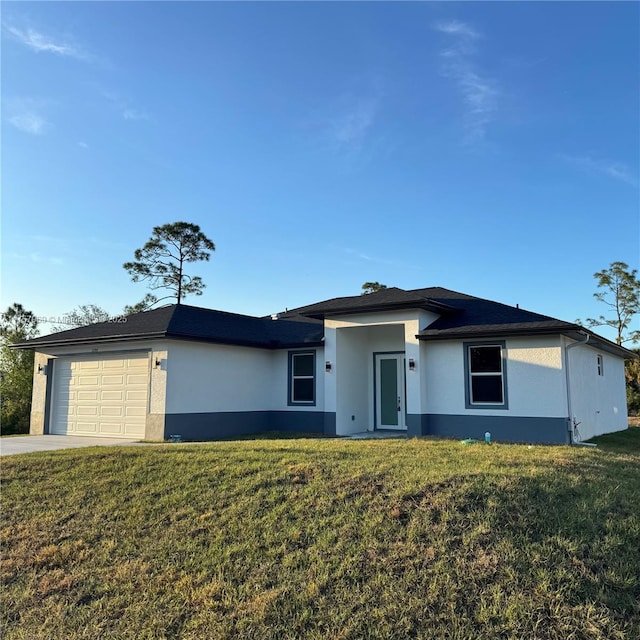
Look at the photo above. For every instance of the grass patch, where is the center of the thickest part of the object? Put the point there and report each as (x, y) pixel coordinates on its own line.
(621, 441)
(311, 538)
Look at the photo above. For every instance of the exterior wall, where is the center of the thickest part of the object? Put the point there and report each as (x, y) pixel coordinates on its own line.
(202, 390)
(535, 378)
(598, 403)
(536, 389)
(204, 378)
(353, 406)
(217, 391)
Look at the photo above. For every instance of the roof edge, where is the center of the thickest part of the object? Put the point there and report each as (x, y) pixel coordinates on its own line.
(428, 305)
(273, 344)
(573, 331)
(70, 342)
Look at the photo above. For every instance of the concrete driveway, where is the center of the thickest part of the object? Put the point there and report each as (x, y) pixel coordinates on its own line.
(28, 444)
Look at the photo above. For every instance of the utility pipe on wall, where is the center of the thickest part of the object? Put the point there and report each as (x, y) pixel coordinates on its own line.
(566, 369)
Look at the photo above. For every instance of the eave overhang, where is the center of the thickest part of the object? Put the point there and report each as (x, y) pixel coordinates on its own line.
(256, 344)
(574, 332)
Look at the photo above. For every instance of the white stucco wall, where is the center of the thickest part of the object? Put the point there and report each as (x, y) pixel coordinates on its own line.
(598, 403)
(204, 378)
(353, 409)
(535, 378)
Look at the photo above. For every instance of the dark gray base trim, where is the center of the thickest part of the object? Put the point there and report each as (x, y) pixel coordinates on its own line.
(414, 425)
(501, 428)
(228, 424)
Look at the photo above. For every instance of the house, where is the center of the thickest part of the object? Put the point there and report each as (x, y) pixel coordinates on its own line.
(423, 362)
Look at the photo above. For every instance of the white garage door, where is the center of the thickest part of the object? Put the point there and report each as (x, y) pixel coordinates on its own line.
(102, 395)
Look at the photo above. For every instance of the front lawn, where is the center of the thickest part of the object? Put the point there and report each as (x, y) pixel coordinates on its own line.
(321, 539)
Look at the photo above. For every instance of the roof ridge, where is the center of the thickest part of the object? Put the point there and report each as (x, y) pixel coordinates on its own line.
(358, 295)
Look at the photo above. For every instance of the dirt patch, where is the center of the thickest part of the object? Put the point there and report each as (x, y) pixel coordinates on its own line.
(634, 421)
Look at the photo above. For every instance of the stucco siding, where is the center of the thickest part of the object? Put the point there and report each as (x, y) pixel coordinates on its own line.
(39, 394)
(382, 317)
(203, 378)
(598, 402)
(534, 378)
(206, 378)
(353, 374)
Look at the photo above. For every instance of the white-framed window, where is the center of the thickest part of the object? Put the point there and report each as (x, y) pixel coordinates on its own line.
(302, 377)
(600, 364)
(485, 369)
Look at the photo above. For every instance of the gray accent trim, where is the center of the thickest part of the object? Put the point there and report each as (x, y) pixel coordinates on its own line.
(290, 355)
(228, 424)
(467, 389)
(296, 421)
(502, 428)
(375, 390)
(329, 423)
(48, 396)
(414, 425)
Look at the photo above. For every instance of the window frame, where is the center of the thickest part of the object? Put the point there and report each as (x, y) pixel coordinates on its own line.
(600, 364)
(291, 377)
(468, 389)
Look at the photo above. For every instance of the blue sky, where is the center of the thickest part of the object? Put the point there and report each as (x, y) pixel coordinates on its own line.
(490, 148)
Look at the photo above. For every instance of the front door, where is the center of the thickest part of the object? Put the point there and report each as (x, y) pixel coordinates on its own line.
(390, 391)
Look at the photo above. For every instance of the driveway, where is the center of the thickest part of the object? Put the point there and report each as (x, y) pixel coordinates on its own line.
(28, 444)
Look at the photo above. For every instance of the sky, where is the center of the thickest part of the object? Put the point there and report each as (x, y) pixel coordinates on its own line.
(489, 148)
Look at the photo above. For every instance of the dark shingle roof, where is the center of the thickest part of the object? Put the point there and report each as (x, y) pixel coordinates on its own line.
(459, 313)
(480, 318)
(191, 323)
(460, 316)
(385, 299)
(477, 316)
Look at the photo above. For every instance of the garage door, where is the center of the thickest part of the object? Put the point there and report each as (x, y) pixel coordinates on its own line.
(105, 396)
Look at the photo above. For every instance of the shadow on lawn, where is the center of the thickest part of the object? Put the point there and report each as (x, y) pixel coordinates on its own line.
(570, 531)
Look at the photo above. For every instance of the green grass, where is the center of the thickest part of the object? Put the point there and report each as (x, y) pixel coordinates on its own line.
(322, 539)
(620, 441)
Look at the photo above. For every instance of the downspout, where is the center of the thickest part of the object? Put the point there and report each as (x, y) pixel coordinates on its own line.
(568, 376)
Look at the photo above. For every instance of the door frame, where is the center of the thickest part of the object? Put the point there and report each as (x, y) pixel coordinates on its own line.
(402, 385)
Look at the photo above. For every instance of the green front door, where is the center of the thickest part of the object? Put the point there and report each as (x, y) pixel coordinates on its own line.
(390, 395)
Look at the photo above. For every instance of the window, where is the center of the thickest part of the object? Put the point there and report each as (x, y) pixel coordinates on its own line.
(600, 364)
(302, 377)
(485, 370)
